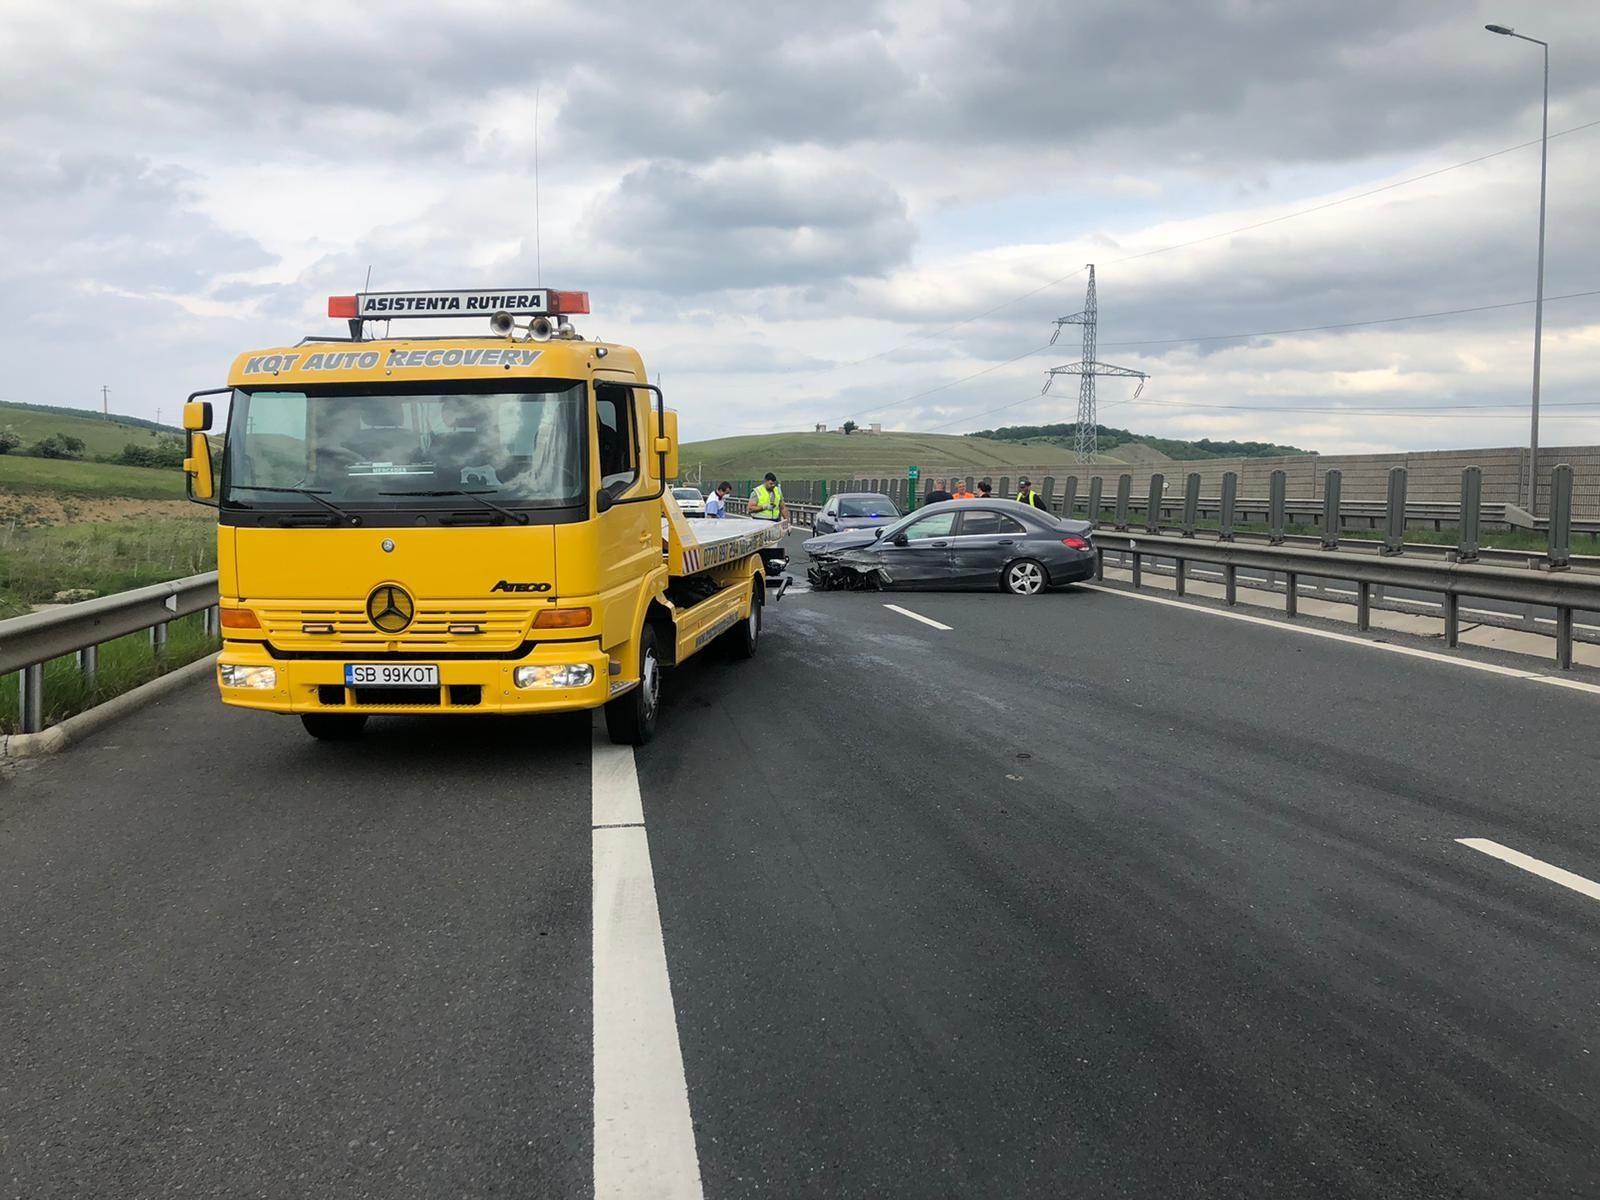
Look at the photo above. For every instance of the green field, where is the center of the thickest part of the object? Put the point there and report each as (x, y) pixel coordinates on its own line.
(100, 556)
(100, 435)
(837, 456)
(66, 477)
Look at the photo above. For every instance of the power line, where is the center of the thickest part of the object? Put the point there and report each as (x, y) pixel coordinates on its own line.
(1448, 312)
(873, 412)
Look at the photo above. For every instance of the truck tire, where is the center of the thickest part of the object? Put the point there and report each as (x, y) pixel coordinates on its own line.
(334, 727)
(742, 639)
(631, 717)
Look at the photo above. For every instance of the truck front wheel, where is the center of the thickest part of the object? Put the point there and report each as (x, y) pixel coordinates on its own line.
(334, 727)
(631, 717)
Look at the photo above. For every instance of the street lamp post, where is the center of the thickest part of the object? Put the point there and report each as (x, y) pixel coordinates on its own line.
(1538, 303)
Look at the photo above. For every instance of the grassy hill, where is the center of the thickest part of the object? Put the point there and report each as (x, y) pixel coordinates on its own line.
(64, 477)
(100, 434)
(836, 455)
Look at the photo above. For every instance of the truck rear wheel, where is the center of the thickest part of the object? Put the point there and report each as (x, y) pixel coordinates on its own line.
(741, 640)
(334, 727)
(631, 717)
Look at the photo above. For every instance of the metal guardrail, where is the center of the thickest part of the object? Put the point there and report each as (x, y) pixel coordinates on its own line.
(1564, 591)
(28, 642)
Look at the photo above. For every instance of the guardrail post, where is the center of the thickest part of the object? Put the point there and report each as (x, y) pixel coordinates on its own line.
(158, 640)
(1136, 574)
(1332, 487)
(1471, 512)
(1230, 501)
(1558, 556)
(211, 622)
(89, 660)
(1093, 514)
(1005, 492)
(1291, 595)
(30, 698)
(1069, 502)
(1181, 575)
(1564, 638)
(1152, 512)
(1452, 618)
(1394, 520)
(1099, 564)
(1124, 494)
(1363, 605)
(1277, 498)
(1230, 583)
(1048, 493)
(1191, 503)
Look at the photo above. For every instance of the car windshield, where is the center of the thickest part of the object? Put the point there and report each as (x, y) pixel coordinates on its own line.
(687, 494)
(393, 448)
(867, 506)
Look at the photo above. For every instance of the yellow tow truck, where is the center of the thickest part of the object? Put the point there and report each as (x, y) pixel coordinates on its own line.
(462, 524)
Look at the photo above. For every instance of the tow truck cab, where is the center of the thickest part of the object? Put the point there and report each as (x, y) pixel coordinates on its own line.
(458, 524)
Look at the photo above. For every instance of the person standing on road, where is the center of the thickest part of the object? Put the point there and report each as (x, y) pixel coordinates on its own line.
(960, 491)
(1026, 494)
(937, 494)
(717, 502)
(766, 502)
(985, 490)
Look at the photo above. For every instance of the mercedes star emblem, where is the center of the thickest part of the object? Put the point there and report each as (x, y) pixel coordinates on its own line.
(390, 608)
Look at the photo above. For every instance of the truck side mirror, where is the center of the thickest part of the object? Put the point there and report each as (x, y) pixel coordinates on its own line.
(197, 466)
(197, 415)
(603, 500)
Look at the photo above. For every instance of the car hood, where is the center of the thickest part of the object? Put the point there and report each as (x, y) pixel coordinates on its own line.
(848, 539)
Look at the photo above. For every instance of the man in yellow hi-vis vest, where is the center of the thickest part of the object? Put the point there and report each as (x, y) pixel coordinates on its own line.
(766, 502)
(1027, 495)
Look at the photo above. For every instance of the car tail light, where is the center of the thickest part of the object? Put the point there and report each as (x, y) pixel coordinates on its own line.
(1076, 542)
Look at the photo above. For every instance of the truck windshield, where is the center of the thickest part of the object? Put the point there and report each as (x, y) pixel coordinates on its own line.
(423, 449)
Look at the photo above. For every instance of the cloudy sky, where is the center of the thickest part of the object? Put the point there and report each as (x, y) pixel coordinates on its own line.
(826, 210)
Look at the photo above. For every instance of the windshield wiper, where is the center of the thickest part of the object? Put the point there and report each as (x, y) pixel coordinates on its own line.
(519, 518)
(314, 493)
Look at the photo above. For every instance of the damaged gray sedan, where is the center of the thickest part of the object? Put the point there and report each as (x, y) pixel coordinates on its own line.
(957, 544)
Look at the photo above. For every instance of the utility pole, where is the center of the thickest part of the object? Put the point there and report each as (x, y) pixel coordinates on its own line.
(105, 400)
(1087, 432)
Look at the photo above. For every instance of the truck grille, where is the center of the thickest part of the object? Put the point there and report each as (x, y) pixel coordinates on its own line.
(499, 629)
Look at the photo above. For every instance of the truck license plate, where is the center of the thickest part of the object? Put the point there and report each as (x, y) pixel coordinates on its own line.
(414, 675)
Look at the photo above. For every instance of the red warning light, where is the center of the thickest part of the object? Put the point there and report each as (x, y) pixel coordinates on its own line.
(341, 306)
(566, 303)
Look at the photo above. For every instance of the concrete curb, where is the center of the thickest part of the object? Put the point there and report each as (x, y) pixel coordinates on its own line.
(73, 729)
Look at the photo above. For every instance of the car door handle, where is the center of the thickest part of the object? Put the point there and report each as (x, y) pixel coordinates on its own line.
(1005, 542)
(939, 545)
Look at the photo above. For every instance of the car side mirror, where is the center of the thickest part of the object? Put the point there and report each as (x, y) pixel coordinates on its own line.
(876, 534)
(901, 539)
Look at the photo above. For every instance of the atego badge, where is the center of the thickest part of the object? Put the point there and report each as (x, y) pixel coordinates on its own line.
(390, 608)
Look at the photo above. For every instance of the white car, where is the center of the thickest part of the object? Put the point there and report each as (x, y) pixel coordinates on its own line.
(690, 501)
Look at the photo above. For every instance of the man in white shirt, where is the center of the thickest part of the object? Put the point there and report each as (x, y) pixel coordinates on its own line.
(717, 502)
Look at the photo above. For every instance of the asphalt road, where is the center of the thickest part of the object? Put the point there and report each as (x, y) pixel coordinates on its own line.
(1083, 895)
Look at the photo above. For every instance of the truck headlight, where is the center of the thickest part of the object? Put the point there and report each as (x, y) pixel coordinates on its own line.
(260, 678)
(562, 675)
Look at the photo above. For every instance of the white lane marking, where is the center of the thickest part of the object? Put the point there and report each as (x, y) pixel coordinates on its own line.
(906, 612)
(1536, 866)
(643, 1134)
(1351, 639)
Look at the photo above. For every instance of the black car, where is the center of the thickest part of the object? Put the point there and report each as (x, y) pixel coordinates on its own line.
(855, 510)
(958, 544)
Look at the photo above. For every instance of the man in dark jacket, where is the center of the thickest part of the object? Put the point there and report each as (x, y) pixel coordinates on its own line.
(937, 493)
(1026, 494)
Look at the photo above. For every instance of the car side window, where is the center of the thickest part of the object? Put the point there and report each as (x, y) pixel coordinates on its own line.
(985, 522)
(937, 525)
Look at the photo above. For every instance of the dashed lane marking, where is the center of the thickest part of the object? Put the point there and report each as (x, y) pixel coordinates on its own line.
(1527, 862)
(906, 612)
